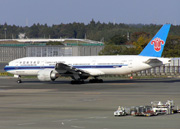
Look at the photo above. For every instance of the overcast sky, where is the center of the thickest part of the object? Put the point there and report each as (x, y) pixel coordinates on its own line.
(28, 12)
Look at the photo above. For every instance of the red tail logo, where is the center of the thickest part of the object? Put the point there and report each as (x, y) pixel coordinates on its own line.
(157, 44)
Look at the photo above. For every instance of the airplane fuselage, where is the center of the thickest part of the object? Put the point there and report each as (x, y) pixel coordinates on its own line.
(95, 65)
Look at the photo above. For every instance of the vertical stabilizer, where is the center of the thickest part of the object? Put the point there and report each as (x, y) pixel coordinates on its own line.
(155, 47)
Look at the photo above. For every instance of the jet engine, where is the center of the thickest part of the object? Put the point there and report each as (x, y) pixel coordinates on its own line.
(47, 75)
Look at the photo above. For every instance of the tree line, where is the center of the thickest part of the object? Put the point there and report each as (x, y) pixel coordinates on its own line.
(93, 30)
(112, 34)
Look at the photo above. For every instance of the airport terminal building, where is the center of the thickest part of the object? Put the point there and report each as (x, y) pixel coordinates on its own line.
(18, 48)
(8, 53)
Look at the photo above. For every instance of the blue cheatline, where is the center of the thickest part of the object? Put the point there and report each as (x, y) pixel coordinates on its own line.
(155, 47)
(10, 68)
(98, 66)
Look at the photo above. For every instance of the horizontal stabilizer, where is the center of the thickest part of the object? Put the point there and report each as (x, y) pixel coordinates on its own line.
(154, 62)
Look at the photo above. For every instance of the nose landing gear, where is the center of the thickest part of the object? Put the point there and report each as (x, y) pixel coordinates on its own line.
(19, 78)
(19, 81)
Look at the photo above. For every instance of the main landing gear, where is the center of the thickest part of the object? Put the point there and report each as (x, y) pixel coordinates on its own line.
(77, 82)
(95, 80)
(81, 81)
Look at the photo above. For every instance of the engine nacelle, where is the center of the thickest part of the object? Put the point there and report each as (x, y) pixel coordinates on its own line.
(47, 75)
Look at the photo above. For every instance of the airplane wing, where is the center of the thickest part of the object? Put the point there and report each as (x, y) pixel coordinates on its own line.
(154, 62)
(66, 69)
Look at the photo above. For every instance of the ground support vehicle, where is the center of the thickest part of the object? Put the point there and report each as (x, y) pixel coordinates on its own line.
(142, 111)
(120, 112)
(163, 108)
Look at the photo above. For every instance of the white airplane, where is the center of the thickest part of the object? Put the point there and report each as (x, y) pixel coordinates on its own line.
(80, 68)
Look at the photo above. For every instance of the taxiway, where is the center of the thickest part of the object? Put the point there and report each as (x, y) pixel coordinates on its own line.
(60, 105)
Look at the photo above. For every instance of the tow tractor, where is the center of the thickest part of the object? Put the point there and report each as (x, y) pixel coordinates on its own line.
(120, 112)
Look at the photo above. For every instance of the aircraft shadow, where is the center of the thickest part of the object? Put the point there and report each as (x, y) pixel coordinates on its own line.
(161, 80)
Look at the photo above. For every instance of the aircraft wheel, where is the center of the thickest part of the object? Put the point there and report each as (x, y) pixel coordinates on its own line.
(91, 81)
(82, 82)
(100, 81)
(77, 82)
(72, 82)
(95, 81)
(19, 81)
(53, 80)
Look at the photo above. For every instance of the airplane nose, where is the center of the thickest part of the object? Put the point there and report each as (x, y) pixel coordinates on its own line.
(6, 68)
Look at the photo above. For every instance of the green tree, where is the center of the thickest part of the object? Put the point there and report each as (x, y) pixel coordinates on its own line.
(172, 48)
(113, 50)
(33, 31)
(141, 43)
(54, 43)
(118, 40)
(135, 36)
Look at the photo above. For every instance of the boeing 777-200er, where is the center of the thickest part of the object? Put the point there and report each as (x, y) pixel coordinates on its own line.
(80, 68)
